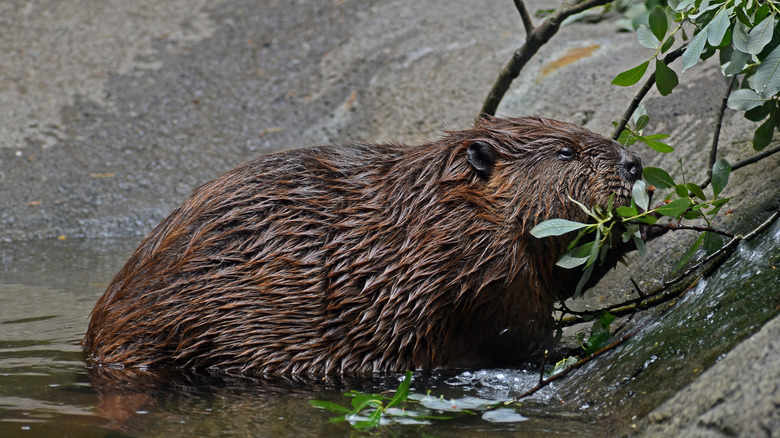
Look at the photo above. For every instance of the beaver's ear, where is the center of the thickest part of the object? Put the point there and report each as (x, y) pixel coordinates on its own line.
(482, 157)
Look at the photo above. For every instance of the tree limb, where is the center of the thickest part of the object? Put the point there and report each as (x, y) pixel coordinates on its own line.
(718, 124)
(527, 23)
(745, 162)
(535, 40)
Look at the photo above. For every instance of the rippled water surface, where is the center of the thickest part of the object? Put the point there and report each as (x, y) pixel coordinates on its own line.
(47, 290)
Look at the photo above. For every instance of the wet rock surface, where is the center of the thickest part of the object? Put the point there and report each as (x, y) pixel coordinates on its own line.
(113, 112)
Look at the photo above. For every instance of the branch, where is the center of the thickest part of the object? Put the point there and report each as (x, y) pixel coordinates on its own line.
(535, 40)
(671, 56)
(718, 124)
(527, 23)
(674, 227)
(745, 162)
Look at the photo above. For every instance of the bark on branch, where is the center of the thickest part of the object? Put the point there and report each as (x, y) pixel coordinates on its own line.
(535, 39)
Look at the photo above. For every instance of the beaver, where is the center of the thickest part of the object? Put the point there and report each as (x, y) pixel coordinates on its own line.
(365, 258)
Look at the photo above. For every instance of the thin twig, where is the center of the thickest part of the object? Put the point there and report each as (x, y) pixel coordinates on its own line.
(673, 227)
(640, 95)
(718, 124)
(538, 37)
(574, 366)
(526, 17)
(745, 162)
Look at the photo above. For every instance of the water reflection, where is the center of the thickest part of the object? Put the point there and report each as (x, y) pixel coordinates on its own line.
(47, 290)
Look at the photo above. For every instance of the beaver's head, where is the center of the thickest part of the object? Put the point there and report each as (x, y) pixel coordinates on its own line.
(532, 166)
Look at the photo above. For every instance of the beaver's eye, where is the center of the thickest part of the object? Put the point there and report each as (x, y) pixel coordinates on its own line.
(565, 153)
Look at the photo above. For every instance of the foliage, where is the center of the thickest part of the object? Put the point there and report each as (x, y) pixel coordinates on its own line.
(371, 411)
(741, 32)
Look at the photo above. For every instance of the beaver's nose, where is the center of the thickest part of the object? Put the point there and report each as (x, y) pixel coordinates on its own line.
(631, 166)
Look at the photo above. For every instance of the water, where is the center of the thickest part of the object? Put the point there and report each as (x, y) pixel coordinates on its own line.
(48, 288)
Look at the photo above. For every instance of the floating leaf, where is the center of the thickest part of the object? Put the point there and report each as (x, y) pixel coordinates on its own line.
(658, 22)
(646, 38)
(555, 227)
(763, 135)
(665, 78)
(744, 100)
(767, 78)
(720, 175)
(631, 76)
(403, 390)
(658, 177)
(695, 48)
(674, 208)
(717, 27)
(333, 407)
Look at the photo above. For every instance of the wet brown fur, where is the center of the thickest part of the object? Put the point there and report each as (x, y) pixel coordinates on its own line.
(362, 258)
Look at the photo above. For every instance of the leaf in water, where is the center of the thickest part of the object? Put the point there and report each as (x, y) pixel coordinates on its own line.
(639, 193)
(763, 135)
(744, 100)
(718, 26)
(403, 390)
(760, 36)
(646, 38)
(695, 48)
(555, 227)
(658, 22)
(720, 175)
(665, 78)
(767, 78)
(332, 407)
(503, 415)
(631, 76)
(658, 177)
(674, 208)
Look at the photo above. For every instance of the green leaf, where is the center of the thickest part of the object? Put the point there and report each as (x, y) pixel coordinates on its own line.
(696, 190)
(658, 177)
(657, 145)
(642, 121)
(763, 135)
(665, 78)
(640, 244)
(681, 190)
(332, 407)
(744, 100)
(688, 254)
(720, 175)
(767, 78)
(646, 38)
(582, 251)
(555, 227)
(631, 76)
(735, 63)
(712, 242)
(760, 36)
(568, 261)
(684, 4)
(760, 112)
(695, 48)
(667, 44)
(674, 208)
(626, 211)
(740, 38)
(403, 390)
(658, 22)
(718, 26)
(639, 193)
